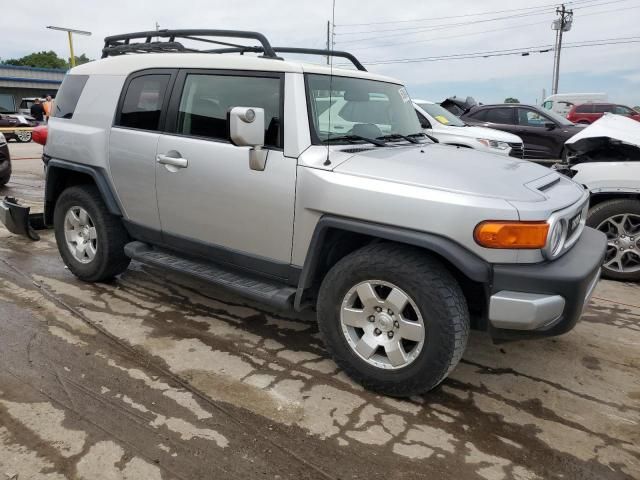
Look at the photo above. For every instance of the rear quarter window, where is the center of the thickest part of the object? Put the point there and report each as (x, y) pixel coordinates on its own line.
(68, 95)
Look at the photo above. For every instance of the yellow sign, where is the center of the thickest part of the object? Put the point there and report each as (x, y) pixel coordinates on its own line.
(443, 120)
(11, 129)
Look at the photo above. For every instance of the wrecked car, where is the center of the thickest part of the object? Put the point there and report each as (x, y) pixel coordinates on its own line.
(605, 157)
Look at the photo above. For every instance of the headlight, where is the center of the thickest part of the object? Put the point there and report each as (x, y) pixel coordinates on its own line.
(3, 140)
(493, 144)
(556, 239)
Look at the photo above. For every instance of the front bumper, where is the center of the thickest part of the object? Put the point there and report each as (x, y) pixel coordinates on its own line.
(548, 298)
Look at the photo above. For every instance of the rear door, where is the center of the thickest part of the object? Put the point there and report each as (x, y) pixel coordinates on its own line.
(212, 204)
(132, 148)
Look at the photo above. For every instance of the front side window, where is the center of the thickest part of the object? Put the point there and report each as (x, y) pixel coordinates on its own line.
(206, 99)
(502, 116)
(622, 110)
(531, 118)
(68, 95)
(362, 107)
(548, 104)
(142, 106)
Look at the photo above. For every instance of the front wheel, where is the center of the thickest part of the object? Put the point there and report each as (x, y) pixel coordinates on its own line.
(620, 221)
(23, 136)
(393, 318)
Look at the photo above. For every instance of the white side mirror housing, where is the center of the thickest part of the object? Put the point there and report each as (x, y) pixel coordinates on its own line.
(246, 126)
(246, 129)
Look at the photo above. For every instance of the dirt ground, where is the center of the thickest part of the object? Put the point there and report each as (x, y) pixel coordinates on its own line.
(155, 376)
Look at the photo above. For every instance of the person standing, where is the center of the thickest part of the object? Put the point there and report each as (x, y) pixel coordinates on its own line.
(37, 111)
(48, 107)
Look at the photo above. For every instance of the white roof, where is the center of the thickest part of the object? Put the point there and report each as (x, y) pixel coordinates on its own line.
(126, 64)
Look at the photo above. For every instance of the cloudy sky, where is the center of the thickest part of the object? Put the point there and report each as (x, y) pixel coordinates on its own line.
(382, 30)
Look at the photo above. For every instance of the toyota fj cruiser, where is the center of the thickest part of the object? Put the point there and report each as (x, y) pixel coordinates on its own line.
(224, 167)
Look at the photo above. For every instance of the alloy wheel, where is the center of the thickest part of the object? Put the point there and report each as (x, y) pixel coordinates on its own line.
(623, 242)
(80, 234)
(382, 324)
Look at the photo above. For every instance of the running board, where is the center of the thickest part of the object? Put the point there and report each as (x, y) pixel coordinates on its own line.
(270, 292)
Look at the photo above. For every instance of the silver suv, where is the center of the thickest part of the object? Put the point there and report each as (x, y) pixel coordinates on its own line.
(230, 168)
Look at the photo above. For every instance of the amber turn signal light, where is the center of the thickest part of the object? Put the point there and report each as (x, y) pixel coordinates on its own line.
(529, 235)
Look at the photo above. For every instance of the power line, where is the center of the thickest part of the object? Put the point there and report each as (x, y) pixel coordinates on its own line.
(523, 51)
(418, 30)
(510, 27)
(460, 16)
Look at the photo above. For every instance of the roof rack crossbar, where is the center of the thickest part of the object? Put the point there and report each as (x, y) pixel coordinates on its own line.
(115, 40)
(307, 51)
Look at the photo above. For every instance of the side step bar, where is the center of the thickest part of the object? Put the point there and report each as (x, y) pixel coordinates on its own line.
(251, 286)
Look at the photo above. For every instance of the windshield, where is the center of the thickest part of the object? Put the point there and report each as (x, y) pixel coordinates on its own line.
(346, 106)
(441, 115)
(557, 118)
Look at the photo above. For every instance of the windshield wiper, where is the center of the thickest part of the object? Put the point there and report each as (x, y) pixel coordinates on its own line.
(351, 137)
(398, 136)
(422, 134)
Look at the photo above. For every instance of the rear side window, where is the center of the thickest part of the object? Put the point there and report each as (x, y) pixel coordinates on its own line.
(586, 108)
(143, 102)
(603, 108)
(206, 99)
(500, 115)
(68, 95)
(480, 115)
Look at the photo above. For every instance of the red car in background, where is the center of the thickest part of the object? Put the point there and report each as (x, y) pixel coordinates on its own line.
(587, 113)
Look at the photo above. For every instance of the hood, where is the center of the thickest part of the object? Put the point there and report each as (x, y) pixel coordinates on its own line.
(456, 170)
(610, 131)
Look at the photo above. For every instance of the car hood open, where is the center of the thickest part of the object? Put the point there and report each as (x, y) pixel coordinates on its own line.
(614, 134)
(458, 170)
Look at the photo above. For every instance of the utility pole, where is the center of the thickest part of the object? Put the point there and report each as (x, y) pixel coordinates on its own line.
(328, 38)
(560, 25)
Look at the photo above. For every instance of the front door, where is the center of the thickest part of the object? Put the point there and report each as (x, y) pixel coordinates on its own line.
(533, 128)
(210, 202)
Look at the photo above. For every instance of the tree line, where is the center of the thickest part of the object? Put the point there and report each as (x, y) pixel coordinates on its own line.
(45, 60)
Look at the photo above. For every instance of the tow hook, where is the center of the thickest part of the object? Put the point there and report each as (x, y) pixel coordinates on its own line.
(17, 219)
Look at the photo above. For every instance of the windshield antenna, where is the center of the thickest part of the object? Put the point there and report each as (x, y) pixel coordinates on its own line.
(330, 46)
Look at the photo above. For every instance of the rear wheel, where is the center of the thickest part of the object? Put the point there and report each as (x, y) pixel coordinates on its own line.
(393, 318)
(90, 239)
(23, 136)
(620, 221)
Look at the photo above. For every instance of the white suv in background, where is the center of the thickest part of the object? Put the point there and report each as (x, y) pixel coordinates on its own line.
(450, 130)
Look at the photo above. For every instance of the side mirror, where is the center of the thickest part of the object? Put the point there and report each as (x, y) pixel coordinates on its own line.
(246, 129)
(550, 125)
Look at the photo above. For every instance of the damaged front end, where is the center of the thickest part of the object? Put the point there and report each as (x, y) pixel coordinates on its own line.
(18, 219)
(613, 138)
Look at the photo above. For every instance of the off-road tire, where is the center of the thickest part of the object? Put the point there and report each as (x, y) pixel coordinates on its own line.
(110, 259)
(599, 214)
(437, 295)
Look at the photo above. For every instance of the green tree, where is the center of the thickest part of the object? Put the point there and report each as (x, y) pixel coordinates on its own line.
(40, 60)
(511, 100)
(82, 59)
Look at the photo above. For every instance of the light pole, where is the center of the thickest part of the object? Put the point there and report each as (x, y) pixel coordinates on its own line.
(70, 31)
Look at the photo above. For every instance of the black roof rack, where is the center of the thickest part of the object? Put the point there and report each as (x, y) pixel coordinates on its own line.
(121, 44)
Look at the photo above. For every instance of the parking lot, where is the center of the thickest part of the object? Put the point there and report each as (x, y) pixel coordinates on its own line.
(158, 376)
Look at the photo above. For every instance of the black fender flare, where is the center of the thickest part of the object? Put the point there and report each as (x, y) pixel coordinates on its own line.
(55, 170)
(467, 262)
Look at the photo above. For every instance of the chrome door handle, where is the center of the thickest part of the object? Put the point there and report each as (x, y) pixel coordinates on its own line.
(173, 161)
